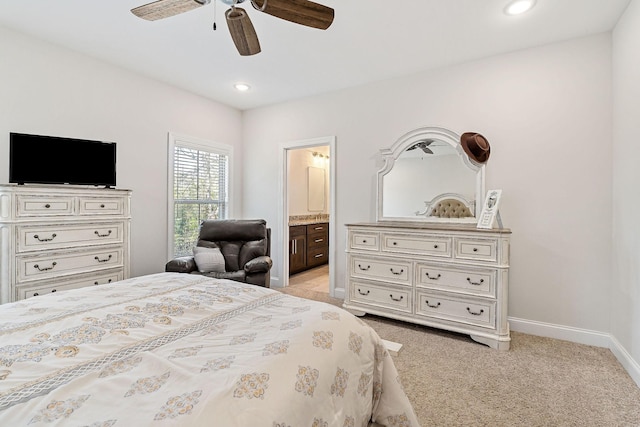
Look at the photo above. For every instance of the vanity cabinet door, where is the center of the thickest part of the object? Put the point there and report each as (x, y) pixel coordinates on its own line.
(297, 248)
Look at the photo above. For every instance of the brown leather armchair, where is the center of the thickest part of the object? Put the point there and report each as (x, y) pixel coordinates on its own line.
(245, 245)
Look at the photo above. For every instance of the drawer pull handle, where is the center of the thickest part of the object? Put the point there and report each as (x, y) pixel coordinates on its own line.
(364, 240)
(362, 268)
(364, 293)
(435, 246)
(475, 313)
(53, 290)
(102, 205)
(397, 273)
(319, 240)
(318, 256)
(53, 264)
(434, 277)
(475, 249)
(102, 260)
(102, 235)
(432, 305)
(318, 228)
(396, 299)
(475, 283)
(47, 206)
(35, 294)
(45, 239)
(395, 243)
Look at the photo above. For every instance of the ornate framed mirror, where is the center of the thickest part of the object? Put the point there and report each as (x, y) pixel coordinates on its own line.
(427, 177)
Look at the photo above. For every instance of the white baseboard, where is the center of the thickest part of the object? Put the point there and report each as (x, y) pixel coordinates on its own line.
(580, 336)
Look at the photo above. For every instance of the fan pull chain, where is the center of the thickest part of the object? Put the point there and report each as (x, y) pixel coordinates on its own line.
(214, 15)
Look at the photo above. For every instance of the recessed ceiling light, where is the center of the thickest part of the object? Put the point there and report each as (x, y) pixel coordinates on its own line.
(519, 6)
(242, 87)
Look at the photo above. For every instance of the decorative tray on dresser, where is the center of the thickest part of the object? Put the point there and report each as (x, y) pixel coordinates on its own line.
(448, 276)
(55, 237)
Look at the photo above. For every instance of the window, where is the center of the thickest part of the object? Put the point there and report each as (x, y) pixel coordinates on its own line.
(198, 187)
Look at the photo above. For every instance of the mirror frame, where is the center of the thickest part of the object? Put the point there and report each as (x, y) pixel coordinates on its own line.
(390, 155)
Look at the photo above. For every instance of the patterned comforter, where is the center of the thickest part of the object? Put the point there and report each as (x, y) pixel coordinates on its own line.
(184, 350)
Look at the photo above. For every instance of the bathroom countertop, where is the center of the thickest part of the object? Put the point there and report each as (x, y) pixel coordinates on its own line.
(307, 222)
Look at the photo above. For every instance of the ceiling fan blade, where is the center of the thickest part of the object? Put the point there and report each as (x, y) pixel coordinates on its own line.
(166, 8)
(303, 12)
(242, 32)
(426, 150)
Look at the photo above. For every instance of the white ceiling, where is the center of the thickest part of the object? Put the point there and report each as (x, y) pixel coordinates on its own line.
(369, 40)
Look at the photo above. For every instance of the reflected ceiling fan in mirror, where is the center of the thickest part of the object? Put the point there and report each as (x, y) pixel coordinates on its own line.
(423, 145)
(303, 12)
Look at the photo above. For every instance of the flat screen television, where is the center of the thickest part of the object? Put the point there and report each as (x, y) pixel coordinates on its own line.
(39, 159)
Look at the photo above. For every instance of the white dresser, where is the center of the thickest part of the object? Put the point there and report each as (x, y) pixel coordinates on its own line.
(55, 237)
(447, 276)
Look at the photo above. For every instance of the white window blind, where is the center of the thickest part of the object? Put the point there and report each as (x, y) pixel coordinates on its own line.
(200, 191)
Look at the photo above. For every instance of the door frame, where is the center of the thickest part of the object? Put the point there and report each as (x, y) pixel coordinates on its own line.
(283, 206)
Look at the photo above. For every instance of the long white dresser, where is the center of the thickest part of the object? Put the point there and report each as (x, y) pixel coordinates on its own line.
(56, 237)
(447, 276)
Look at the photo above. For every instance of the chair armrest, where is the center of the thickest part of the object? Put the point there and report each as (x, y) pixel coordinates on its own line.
(261, 264)
(185, 264)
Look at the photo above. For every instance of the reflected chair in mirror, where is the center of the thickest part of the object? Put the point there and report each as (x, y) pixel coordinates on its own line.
(448, 205)
(232, 249)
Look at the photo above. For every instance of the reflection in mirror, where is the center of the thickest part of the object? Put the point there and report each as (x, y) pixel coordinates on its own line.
(315, 189)
(422, 169)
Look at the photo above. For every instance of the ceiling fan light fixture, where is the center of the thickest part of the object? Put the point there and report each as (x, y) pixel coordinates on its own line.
(518, 7)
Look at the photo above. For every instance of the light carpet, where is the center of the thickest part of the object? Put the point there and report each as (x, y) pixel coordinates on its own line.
(453, 381)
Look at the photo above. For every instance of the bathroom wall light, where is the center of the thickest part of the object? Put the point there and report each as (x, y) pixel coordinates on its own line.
(517, 7)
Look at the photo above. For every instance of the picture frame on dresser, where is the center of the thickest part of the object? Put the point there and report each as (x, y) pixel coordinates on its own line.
(490, 210)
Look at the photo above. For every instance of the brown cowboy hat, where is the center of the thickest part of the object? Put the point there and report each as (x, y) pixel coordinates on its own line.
(476, 146)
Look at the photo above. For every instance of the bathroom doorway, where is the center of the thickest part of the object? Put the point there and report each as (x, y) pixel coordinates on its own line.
(308, 204)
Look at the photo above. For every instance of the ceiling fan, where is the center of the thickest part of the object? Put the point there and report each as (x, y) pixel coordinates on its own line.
(303, 12)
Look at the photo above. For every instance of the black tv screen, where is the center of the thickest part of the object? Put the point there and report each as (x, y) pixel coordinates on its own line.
(55, 160)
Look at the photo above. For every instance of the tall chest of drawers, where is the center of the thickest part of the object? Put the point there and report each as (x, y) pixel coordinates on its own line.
(58, 237)
(453, 277)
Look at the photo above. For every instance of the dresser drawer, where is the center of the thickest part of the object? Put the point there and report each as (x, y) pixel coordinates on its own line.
(459, 309)
(477, 249)
(415, 244)
(476, 281)
(381, 296)
(68, 236)
(395, 271)
(29, 205)
(36, 290)
(101, 206)
(65, 263)
(364, 241)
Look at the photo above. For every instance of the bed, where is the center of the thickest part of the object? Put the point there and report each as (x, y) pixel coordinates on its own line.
(179, 349)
